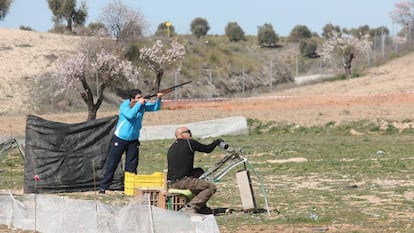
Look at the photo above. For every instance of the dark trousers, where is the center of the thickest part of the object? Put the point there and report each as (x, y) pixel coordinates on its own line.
(202, 190)
(118, 147)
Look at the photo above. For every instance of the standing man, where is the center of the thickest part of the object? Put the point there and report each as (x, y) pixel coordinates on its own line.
(181, 173)
(126, 135)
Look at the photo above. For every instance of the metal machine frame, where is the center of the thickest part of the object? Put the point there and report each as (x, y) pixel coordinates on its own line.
(216, 172)
(233, 158)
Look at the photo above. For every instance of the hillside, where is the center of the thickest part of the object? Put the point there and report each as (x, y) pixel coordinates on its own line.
(26, 55)
(213, 62)
(385, 92)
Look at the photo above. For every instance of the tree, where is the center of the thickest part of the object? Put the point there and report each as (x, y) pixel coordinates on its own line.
(299, 32)
(164, 30)
(199, 27)
(123, 22)
(404, 16)
(66, 10)
(159, 57)
(4, 8)
(234, 32)
(95, 29)
(382, 30)
(357, 32)
(266, 35)
(345, 46)
(329, 28)
(81, 70)
(403, 13)
(308, 47)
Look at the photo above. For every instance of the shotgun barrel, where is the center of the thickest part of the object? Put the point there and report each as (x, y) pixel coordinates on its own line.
(167, 90)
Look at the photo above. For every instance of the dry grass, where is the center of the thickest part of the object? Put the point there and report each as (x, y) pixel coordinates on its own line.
(24, 56)
(384, 92)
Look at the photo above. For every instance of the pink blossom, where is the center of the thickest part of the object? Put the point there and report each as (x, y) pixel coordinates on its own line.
(403, 13)
(83, 67)
(339, 44)
(160, 56)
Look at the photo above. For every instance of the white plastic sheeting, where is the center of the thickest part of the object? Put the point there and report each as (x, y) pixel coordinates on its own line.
(51, 213)
(202, 129)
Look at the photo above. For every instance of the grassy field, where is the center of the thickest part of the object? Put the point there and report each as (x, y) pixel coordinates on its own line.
(355, 177)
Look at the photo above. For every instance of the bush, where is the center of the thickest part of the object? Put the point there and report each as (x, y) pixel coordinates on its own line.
(96, 29)
(165, 31)
(199, 27)
(299, 32)
(267, 36)
(308, 48)
(25, 28)
(234, 32)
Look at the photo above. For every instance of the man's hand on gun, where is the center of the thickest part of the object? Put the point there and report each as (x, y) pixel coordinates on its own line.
(142, 99)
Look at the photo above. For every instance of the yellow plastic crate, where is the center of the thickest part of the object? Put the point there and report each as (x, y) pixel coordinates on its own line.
(155, 181)
(129, 183)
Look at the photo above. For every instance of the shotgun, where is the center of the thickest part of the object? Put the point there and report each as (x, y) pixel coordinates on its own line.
(167, 90)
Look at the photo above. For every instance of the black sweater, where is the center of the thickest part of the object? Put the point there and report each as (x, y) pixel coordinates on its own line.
(180, 156)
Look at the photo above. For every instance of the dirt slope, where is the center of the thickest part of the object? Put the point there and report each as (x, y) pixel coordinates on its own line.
(25, 55)
(386, 92)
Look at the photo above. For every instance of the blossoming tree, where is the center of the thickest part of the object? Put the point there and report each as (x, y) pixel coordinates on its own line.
(403, 13)
(84, 69)
(160, 57)
(345, 47)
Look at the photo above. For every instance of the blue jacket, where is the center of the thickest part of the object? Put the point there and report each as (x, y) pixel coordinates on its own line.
(130, 119)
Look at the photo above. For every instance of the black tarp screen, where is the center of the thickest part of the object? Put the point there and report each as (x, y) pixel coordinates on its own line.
(67, 157)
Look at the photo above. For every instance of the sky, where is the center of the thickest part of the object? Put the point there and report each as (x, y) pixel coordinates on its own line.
(284, 15)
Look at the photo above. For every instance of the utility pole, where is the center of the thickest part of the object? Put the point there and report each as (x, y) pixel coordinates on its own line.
(168, 24)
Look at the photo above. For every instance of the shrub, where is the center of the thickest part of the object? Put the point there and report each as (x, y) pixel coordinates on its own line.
(267, 35)
(308, 48)
(199, 27)
(299, 32)
(234, 32)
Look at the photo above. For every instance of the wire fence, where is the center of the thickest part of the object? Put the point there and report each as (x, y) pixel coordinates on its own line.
(241, 83)
(384, 48)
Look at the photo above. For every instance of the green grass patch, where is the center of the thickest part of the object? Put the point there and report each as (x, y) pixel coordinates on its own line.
(363, 181)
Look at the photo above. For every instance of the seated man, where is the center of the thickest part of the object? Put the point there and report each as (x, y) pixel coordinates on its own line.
(181, 173)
